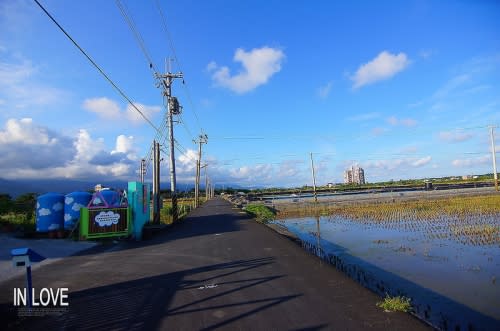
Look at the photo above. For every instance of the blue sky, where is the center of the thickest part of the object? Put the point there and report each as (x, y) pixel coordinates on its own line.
(404, 89)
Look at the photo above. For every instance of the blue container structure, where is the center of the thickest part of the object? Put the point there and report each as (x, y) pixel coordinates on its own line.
(50, 212)
(72, 204)
(105, 199)
(111, 197)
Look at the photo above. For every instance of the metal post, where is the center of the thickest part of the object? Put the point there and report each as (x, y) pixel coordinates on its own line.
(156, 182)
(494, 157)
(29, 284)
(314, 178)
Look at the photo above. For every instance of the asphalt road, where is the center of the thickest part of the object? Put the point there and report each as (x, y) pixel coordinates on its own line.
(217, 269)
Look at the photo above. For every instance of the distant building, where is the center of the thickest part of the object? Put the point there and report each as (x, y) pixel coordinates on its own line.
(465, 177)
(354, 175)
(330, 185)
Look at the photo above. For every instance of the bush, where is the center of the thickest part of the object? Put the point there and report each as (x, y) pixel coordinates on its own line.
(395, 304)
(260, 212)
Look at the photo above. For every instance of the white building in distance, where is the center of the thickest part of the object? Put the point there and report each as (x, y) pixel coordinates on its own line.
(354, 175)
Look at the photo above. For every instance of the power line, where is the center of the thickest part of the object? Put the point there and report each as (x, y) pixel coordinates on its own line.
(172, 48)
(140, 41)
(286, 136)
(129, 20)
(97, 66)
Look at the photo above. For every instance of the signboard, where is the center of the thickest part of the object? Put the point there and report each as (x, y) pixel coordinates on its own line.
(104, 222)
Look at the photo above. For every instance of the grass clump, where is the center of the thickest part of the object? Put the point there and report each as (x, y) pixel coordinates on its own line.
(184, 206)
(260, 212)
(398, 303)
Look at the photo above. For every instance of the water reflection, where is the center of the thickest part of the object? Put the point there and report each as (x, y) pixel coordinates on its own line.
(442, 275)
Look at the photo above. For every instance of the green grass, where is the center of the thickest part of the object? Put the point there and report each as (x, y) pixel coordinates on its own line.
(24, 222)
(398, 303)
(260, 212)
(422, 208)
(184, 206)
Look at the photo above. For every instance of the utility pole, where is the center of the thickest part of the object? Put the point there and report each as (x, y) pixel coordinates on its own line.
(156, 182)
(143, 170)
(314, 178)
(202, 139)
(173, 109)
(207, 190)
(494, 156)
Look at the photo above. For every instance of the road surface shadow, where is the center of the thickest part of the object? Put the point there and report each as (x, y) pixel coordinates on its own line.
(146, 303)
(192, 226)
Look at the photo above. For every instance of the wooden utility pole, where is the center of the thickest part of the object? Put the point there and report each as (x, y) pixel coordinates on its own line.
(206, 183)
(202, 139)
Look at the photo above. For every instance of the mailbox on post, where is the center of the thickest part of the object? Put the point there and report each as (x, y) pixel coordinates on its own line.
(22, 258)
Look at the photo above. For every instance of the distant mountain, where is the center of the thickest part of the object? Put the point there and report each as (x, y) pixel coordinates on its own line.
(20, 186)
(40, 186)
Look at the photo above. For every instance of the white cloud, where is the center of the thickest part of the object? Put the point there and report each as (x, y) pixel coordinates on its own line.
(148, 111)
(189, 157)
(21, 87)
(22, 140)
(408, 122)
(471, 162)
(421, 162)
(211, 66)
(324, 91)
(124, 144)
(25, 132)
(383, 67)
(14, 73)
(251, 174)
(118, 169)
(398, 164)
(259, 65)
(110, 110)
(86, 147)
(451, 86)
(103, 107)
(454, 136)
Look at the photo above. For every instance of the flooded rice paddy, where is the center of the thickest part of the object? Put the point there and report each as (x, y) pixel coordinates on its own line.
(449, 265)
